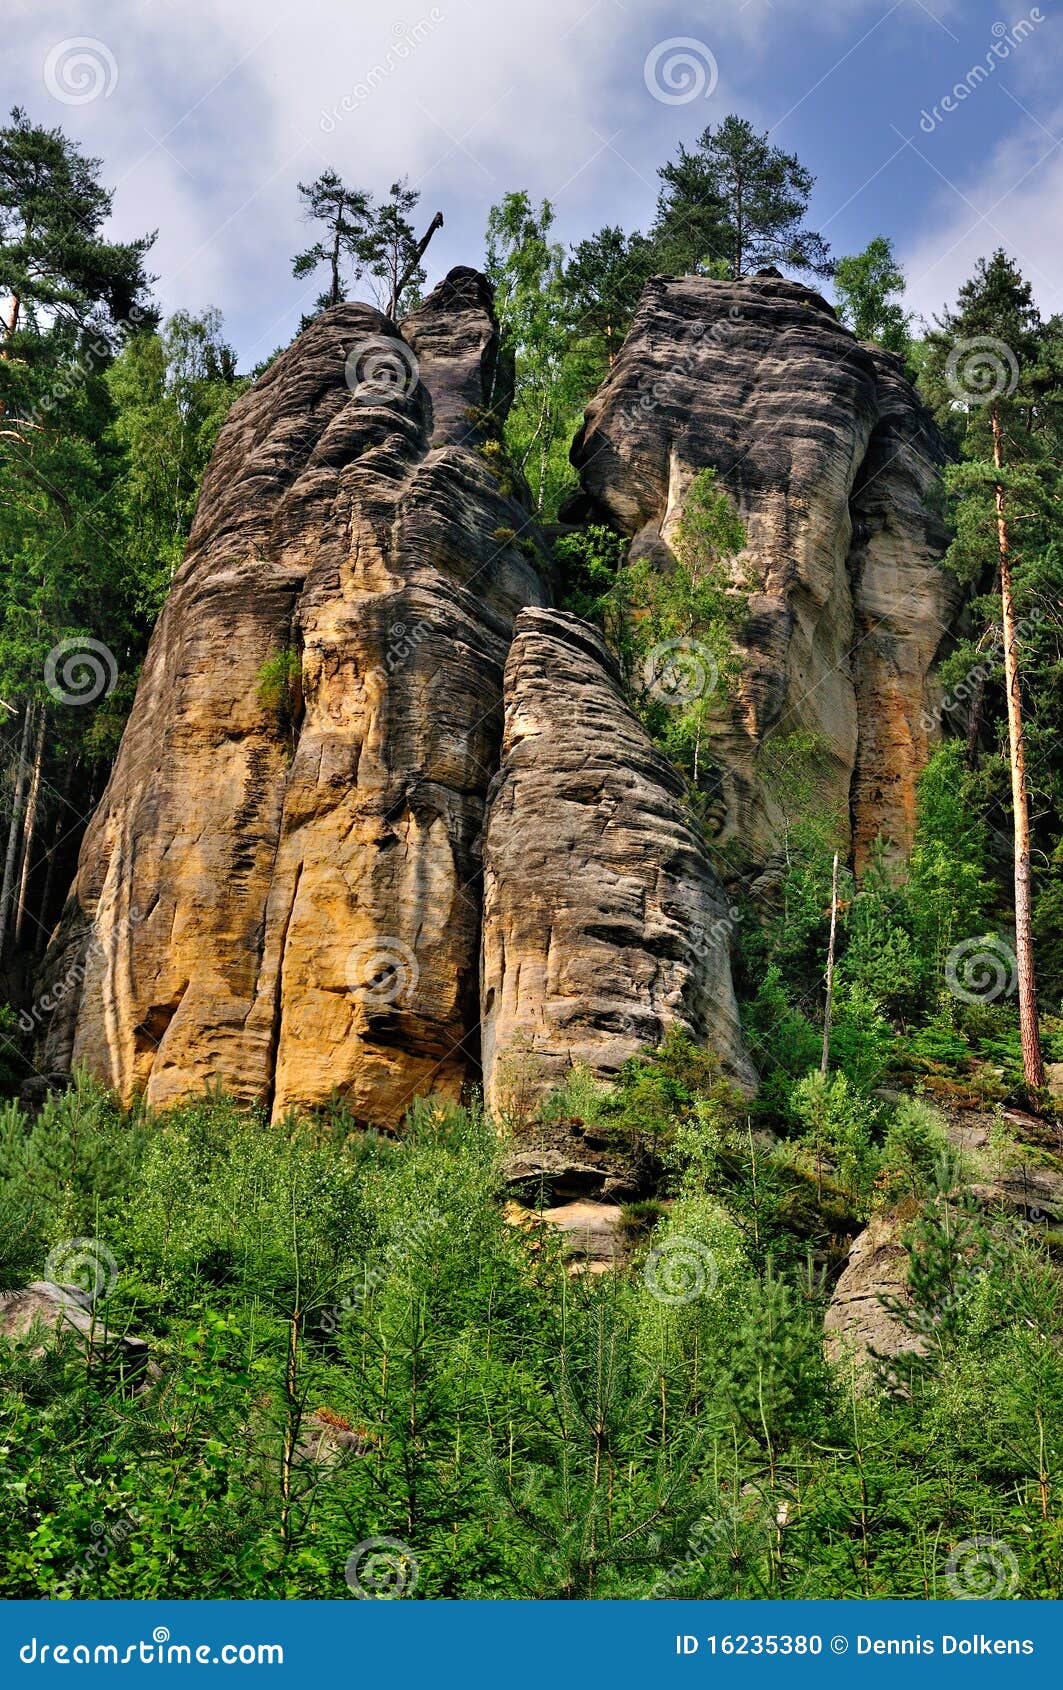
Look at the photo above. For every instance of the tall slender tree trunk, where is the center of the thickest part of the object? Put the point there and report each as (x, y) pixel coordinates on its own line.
(52, 854)
(11, 323)
(30, 830)
(829, 1001)
(1032, 1062)
(15, 827)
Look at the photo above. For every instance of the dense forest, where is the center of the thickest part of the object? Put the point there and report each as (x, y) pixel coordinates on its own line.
(322, 1360)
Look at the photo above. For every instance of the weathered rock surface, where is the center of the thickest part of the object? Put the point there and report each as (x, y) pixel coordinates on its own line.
(278, 891)
(1026, 1180)
(454, 340)
(603, 920)
(832, 462)
(856, 1325)
(42, 1310)
(551, 1162)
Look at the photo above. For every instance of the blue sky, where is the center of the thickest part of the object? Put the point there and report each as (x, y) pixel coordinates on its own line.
(207, 112)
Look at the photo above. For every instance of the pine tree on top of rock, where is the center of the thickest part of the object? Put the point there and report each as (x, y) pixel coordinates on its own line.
(733, 204)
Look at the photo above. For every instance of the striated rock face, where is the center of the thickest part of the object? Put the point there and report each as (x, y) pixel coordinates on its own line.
(279, 890)
(857, 1327)
(832, 462)
(603, 921)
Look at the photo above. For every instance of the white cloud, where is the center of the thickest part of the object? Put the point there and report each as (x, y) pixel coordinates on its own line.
(1012, 201)
(219, 110)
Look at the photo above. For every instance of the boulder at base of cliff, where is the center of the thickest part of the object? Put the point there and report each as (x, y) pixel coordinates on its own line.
(857, 1327)
(41, 1311)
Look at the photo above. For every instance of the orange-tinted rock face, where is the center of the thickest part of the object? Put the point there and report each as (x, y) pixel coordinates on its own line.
(604, 924)
(279, 890)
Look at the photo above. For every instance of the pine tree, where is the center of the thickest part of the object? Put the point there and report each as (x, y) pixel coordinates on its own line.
(985, 361)
(738, 198)
(603, 279)
(393, 252)
(344, 214)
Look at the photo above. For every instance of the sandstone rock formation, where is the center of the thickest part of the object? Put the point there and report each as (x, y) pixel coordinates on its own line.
(279, 888)
(832, 463)
(280, 891)
(603, 920)
(42, 1311)
(857, 1325)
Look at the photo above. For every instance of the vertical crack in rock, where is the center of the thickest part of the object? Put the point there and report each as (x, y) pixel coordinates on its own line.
(904, 611)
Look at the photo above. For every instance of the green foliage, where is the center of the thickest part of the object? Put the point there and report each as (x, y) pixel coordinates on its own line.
(679, 626)
(56, 269)
(670, 1427)
(171, 392)
(74, 1165)
(865, 284)
(279, 687)
(738, 198)
(838, 1124)
(344, 215)
(361, 237)
(554, 369)
(603, 280)
(914, 1146)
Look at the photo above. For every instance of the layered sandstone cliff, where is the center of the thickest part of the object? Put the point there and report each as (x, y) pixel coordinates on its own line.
(604, 923)
(833, 464)
(279, 890)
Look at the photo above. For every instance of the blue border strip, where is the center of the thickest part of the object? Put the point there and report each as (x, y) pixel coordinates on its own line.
(513, 1645)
